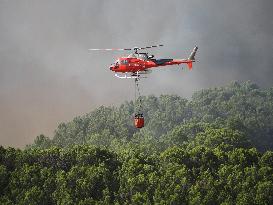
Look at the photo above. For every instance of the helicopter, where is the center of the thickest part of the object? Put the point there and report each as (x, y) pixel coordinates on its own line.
(140, 63)
(137, 65)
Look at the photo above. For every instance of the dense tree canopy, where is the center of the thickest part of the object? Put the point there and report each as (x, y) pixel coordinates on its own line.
(243, 107)
(213, 149)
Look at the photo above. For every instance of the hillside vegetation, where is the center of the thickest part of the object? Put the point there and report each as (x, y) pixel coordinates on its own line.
(242, 107)
(215, 148)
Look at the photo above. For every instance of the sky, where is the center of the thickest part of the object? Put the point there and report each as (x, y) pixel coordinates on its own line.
(47, 75)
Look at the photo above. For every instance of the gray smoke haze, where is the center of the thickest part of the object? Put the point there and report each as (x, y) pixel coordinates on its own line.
(47, 76)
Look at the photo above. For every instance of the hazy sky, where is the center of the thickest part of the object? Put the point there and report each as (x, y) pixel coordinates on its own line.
(47, 75)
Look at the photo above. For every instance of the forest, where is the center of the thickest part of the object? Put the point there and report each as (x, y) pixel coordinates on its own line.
(214, 148)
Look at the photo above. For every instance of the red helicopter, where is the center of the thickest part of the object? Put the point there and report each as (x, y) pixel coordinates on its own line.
(137, 64)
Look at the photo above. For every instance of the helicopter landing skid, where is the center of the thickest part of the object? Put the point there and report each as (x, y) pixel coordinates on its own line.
(130, 76)
(126, 76)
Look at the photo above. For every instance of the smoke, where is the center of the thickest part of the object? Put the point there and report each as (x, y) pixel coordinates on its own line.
(47, 76)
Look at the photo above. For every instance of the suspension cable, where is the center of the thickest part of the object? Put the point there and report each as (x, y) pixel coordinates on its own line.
(138, 106)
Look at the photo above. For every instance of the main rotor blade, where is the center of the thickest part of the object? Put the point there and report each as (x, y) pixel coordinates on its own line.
(151, 46)
(110, 49)
(123, 49)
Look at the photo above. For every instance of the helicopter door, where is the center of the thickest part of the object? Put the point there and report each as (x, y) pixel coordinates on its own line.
(135, 65)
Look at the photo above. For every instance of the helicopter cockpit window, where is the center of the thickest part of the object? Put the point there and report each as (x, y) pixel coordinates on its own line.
(124, 62)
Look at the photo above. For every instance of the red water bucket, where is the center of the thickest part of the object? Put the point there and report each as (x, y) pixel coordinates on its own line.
(139, 121)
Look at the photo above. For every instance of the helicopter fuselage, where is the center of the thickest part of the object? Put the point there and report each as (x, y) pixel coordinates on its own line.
(133, 65)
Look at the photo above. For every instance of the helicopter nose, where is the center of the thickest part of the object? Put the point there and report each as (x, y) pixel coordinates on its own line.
(113, 67)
